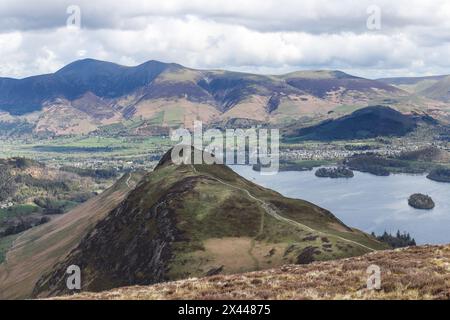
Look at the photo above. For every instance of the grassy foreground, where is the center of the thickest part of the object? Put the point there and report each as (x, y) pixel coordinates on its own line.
(411, 273)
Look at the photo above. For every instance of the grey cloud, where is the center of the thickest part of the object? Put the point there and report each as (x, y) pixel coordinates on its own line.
(249, 35)
(313, 16)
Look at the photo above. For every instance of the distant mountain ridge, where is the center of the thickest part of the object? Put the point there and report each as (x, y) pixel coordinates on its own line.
(104, 79)
(109, 80)
(433, 87)
(90, 94)
(156, 80)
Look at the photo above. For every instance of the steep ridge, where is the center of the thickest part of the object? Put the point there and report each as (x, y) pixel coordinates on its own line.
(187, 221)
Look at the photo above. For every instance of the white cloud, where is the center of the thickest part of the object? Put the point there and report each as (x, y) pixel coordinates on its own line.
(251, 35)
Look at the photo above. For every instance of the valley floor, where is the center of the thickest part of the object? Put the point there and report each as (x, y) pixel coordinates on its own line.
(411, 273)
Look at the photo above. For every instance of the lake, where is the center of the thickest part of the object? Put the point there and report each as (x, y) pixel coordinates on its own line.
(368, 202)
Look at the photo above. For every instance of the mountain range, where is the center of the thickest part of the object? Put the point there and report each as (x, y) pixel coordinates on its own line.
(89, 94)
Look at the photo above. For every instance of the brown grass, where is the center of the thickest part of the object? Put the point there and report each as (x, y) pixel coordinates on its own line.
(412, 273)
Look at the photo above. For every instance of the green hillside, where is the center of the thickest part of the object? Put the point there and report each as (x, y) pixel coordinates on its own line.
(189, 221)
(27, 256)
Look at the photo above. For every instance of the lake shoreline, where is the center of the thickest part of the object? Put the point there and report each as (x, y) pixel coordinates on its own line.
(369, 202)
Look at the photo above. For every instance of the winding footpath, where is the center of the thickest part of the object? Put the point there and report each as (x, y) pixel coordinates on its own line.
(273, 213)
(128, 180)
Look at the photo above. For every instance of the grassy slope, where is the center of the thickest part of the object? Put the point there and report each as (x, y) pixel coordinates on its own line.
(36, 250)
(223, 223)
(297, 210)
(223, 219)
(322, 221)
(412, 273)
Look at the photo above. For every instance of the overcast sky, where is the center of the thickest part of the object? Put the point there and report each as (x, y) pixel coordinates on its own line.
(246, 35)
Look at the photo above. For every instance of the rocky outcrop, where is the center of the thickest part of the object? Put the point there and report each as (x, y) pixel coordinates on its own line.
(130, 246)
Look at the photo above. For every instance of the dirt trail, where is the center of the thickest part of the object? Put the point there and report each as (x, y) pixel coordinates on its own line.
(273, 213)
(128, 180)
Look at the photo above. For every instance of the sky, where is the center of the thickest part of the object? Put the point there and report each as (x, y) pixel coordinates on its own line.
(372, 39)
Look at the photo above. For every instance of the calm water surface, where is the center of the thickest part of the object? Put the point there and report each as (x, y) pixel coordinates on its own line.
(368, 202)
